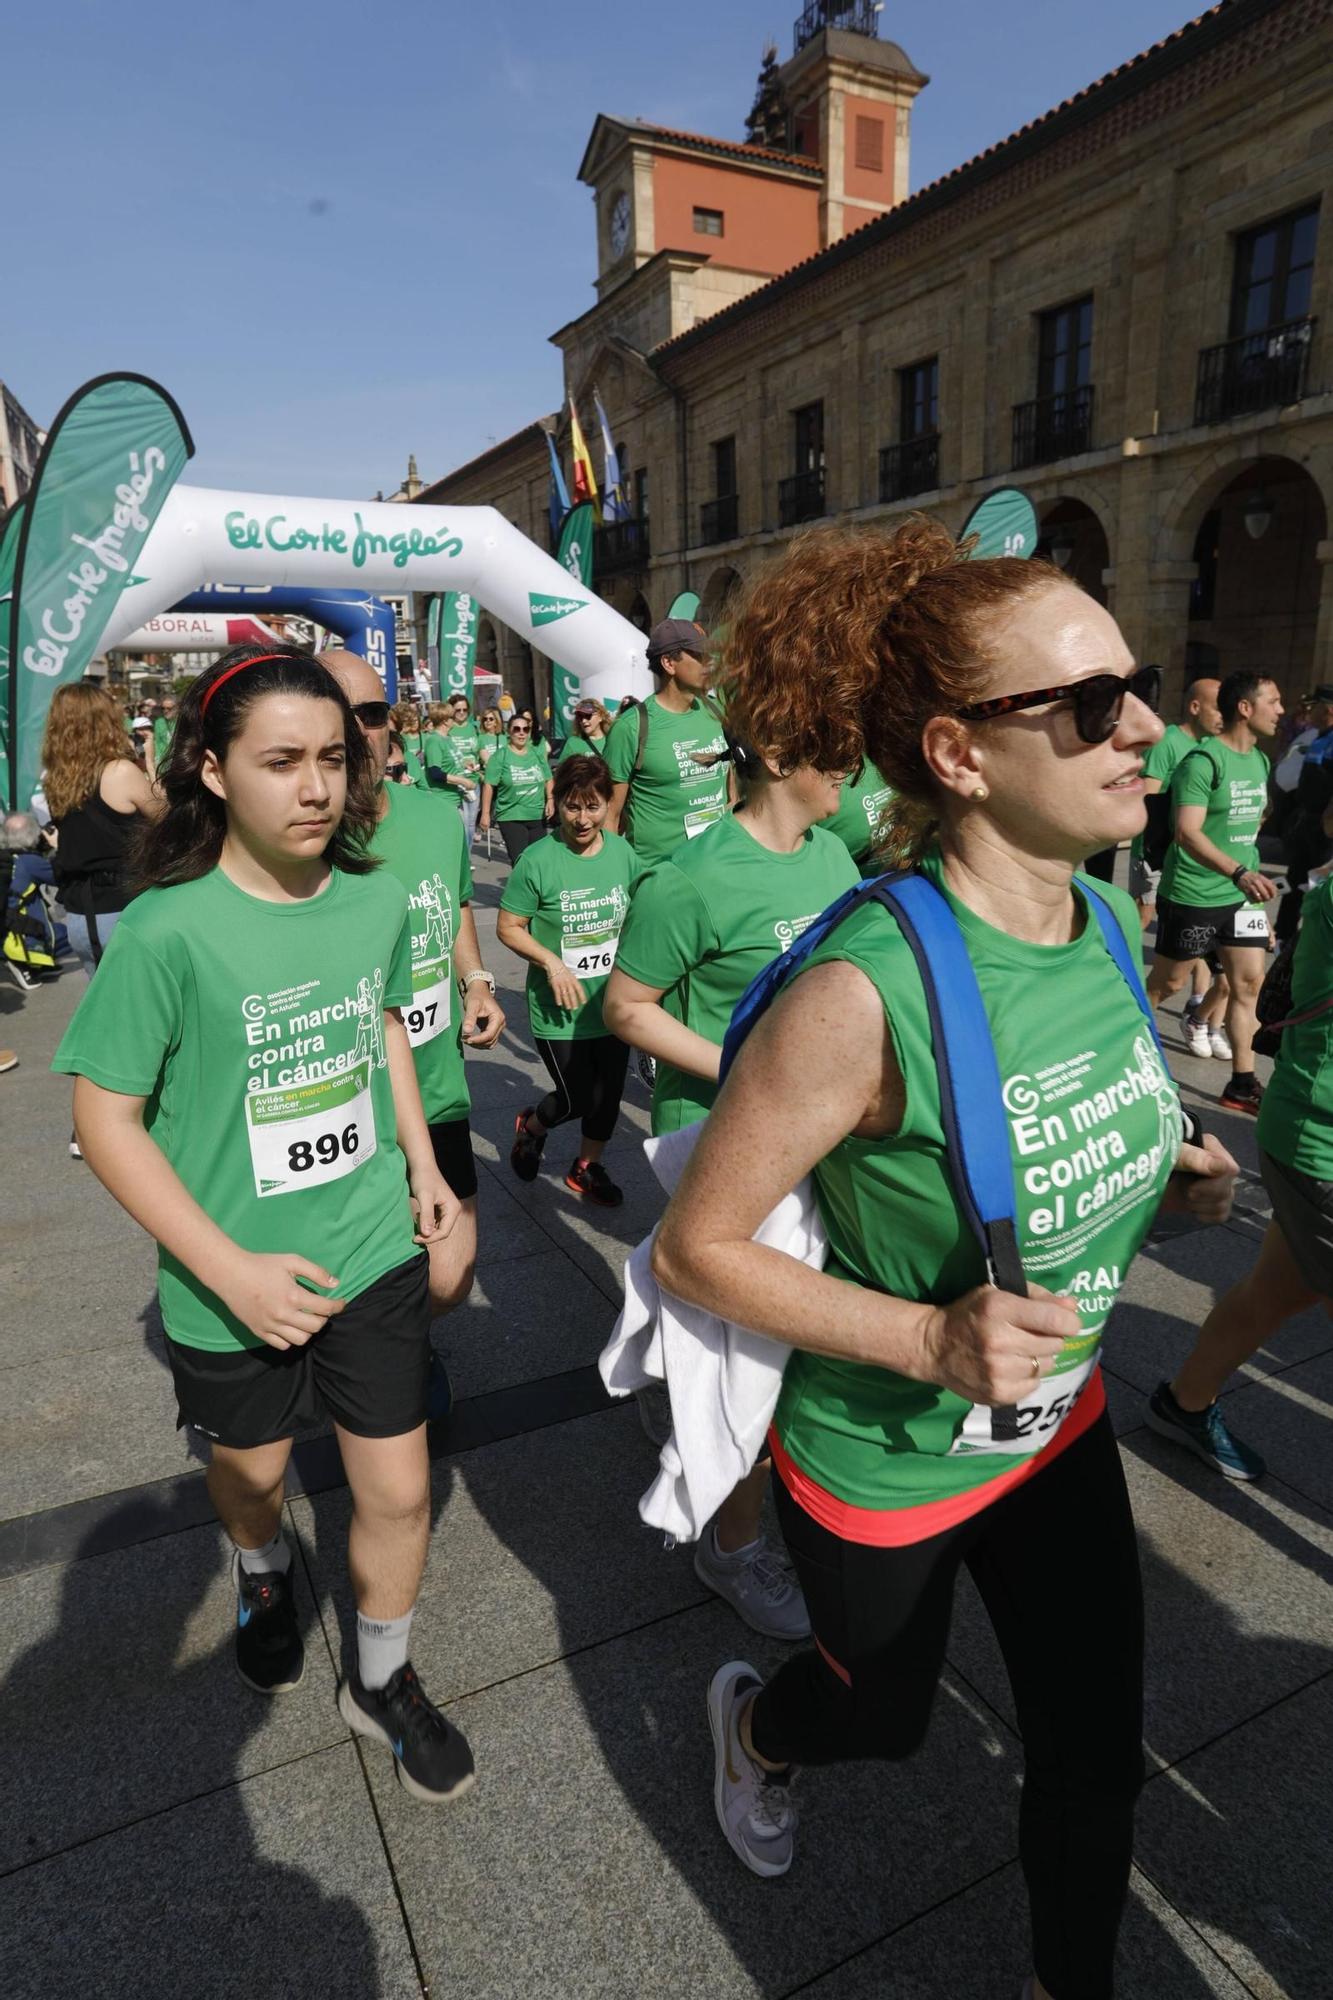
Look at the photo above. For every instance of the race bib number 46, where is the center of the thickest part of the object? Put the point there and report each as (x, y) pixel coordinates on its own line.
(307, 1134)
(1251, 922)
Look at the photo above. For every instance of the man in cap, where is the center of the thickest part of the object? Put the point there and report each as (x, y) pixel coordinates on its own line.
(663, 794)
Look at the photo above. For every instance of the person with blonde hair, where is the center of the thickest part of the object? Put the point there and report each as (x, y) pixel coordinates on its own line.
(592, 726)
(929, 1420)
(98, 797)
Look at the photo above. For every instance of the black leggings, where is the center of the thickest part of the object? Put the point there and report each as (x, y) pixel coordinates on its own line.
(520, 833)
(1057, 1566)
(589, 1079)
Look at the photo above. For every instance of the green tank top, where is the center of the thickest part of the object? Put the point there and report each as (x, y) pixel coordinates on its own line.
(1094, 1126)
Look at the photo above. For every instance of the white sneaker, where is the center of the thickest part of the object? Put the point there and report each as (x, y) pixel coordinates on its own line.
(757, 1585)
(1220, 1046)
(654, 1403)
(754, 1809)
(1197, 1039)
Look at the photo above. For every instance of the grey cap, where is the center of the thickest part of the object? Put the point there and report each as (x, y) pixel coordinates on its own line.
(678, 635)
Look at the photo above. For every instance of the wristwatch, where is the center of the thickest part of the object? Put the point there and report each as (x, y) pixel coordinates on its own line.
(1236, 873)
(470, 979)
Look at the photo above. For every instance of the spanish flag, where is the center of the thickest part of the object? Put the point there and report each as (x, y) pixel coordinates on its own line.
(584, 481)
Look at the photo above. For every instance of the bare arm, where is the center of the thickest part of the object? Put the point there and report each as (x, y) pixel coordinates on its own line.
(616, 810)
(548, 804)
(824, 1055)
(125, 788)
(484, 816)
(1253, 885)
(261, 1290)
(514, 932)
(483, 1016)
(434, 1203)
(634, 1012)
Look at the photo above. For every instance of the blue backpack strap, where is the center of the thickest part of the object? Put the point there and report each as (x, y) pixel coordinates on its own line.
(1113, 937)
(764, 988)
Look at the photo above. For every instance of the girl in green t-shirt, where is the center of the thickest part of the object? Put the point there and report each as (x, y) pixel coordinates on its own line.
(562, 910)
(1003, 706)
(245, 1089)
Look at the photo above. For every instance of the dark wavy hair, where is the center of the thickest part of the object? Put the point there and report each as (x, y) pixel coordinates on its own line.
(186, 841)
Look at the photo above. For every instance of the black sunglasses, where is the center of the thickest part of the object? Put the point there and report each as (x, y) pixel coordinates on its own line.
(371, 714)
(393, 772)
(1097, 701)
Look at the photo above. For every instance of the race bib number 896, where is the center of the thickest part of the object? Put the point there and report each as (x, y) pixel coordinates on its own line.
(308, 1134)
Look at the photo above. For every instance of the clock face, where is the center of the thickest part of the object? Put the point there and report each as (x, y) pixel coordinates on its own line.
(620, 219)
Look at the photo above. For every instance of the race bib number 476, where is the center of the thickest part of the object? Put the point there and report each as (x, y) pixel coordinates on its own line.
(307, 1134)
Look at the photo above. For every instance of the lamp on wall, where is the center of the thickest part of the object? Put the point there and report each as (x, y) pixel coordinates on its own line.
(1060, 544)
(1257, 514)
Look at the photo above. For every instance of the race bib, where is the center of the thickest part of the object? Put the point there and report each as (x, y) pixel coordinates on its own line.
(590, 954)
(699, 822)
(1040, 1416)
(428, 1015)
(1251, 921)
(303, 1135)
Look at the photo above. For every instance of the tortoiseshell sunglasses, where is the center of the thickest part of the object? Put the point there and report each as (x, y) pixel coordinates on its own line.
(1097, 701)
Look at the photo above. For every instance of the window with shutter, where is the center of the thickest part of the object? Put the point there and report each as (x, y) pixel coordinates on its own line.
(870, 144)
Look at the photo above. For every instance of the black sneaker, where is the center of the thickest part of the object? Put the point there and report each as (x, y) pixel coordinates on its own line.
(590, 1179)
(525, 1155)
(433, 1758)
(26, 980)
(1240, 1096)
(269, 1653)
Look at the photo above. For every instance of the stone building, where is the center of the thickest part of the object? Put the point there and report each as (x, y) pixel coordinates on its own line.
(20, 445)
(1123, 308)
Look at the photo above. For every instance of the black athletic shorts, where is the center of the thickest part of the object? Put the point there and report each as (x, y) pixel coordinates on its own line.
(1188, 930)
(368, 1370)
(452, 1140)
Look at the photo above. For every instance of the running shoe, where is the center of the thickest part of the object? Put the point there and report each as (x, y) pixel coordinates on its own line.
(754, 1806)
(1205, 1433)
(525, 1155)
(1240, 1099)
(654, 1401)
(646, 1066)
(269, 1654)
(757, 1585)
(1197, 1039)
(590, 1179)
(75, 1149)
(431, 1756)
(8, 1060)
(26, 981)
(1221, 1047)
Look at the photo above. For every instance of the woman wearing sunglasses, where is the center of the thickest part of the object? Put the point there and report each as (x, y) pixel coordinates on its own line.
(516, 789)
(1001, 705)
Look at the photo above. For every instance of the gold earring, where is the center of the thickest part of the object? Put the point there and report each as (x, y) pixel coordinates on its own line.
(980, 792)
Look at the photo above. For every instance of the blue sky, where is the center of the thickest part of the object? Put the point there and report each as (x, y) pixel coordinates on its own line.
(341, 232)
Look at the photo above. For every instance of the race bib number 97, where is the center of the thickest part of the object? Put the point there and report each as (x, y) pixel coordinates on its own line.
(308, 1134)
(428, 1015)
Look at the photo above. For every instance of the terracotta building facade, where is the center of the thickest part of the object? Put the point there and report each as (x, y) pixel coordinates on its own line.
(1123, 309)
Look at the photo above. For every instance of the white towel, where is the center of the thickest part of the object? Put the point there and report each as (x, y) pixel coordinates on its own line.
(723, 1379)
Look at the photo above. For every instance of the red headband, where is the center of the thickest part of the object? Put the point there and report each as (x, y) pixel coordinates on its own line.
(256, 660)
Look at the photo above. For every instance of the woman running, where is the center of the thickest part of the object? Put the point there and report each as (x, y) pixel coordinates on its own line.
(245, 1089)
(516, 790)
(592, 723)
(1003, 707)
(562, 910)
(701, 926)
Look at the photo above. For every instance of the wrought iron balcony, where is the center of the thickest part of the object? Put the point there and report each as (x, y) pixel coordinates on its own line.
(718, 518)
(1257, 371)
(910, 467)
(800, 498)
(1052, 427)
(855, 17)
(620, 546)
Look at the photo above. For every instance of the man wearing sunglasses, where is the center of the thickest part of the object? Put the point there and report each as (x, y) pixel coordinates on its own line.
(1213, 894)
(420, 840)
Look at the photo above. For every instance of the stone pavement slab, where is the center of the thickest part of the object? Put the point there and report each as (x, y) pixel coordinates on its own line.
(589, 1850)
(977, 1946)
(277, 1887)
(1289, 1420)
(67, 1305)
(1237, 1589)
(1240, 1839)
(527, 1317)
(95, 1425)
(536, 1551)
(121, 1698)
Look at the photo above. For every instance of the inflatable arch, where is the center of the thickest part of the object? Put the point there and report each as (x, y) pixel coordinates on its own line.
(365, 624)
(203, 533)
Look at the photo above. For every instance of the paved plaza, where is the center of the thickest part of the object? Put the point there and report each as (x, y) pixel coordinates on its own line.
(165, 1832)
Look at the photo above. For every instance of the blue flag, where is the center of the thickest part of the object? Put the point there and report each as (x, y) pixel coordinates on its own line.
(559, 502)
(614, 504)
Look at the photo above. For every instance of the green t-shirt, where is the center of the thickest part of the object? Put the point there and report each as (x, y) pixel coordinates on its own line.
(413, 765)
(704, 923)
(1160, 762)
(463, 762)
(421, 844)
(436, 763)
(860, 813)
(520, 779)
(577, 904)
(256, 1032)
(671, 798)
(582, 746)
(1233, 785)
(1094, 1123)
(1296, 1116)
(466, 743)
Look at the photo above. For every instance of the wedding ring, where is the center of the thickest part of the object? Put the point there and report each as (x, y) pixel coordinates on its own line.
(1036, 1367)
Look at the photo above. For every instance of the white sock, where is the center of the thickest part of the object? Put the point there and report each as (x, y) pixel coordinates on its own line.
(381, 1647)
(274, 1555)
